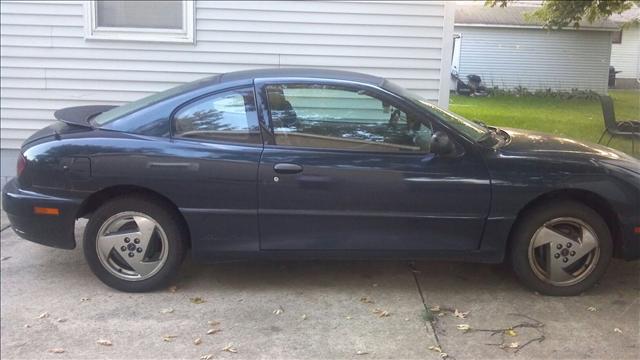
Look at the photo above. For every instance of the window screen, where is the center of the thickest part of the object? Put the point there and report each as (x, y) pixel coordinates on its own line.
(140, 14)
(616, 37)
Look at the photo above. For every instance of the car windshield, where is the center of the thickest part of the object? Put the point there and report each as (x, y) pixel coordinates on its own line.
(474, 131)
(116, 113)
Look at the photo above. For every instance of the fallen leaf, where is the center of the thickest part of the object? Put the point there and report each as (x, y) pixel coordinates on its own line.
(213, 331)
(166, 311)
(56, 350)
(617, 330)
(366, 300)
(61, 320)
(197, 341)
(230, 348)
(197, 300)
(278, 311)
(6, 258)
(592, 309)
(304, 316)
(213, 322)
(406, 319)
(43, 315)
(513, 345)
(437, 349)
(172, 289)
(169, 338)
(361, 352)
(84, 299)
(435, 308)
(464, 327)
(348, 318)
(206, 357)
(510, 332)
(381, 313)
(461, 314)
(104, 342)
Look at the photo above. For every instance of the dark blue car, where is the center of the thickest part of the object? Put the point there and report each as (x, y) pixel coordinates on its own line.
(307, 163)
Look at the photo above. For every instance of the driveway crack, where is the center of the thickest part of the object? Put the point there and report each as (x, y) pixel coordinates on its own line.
(431, 321)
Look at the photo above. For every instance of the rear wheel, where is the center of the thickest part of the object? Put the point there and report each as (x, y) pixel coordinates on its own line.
(561, 248)
(134, 244)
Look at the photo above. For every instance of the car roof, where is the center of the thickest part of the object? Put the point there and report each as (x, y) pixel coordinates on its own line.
(300, 73)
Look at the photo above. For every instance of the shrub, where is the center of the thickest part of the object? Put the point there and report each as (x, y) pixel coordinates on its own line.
(521, 91)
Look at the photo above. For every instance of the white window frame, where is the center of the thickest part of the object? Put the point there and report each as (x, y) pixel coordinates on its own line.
(94, 32)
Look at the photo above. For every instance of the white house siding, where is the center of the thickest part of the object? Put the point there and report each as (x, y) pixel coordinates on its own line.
(536, 58)
(47, 64)
(626, 55)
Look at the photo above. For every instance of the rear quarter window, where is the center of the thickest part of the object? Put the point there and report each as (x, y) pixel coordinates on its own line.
(228, 116)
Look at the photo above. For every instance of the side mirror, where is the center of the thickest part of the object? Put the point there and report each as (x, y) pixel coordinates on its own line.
(441, 144)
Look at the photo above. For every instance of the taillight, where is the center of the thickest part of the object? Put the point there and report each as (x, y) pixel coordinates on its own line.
(22, 163)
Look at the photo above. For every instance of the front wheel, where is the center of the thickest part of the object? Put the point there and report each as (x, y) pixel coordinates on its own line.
(561, 248)
(133, 244)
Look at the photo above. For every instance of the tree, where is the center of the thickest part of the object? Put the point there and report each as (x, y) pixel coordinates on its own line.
(560, 13)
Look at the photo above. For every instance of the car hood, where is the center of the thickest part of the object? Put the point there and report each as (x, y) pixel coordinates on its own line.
(525, 142)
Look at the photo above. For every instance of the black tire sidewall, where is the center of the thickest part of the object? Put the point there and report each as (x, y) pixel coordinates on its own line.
(532, 220)
(154, 209)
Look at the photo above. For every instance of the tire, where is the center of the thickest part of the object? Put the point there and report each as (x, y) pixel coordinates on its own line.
(549, 248)
(134, 244)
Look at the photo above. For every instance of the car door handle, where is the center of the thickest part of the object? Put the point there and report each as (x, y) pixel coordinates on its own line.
(287, 168)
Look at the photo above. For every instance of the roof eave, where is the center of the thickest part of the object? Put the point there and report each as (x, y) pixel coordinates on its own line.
(539, 27)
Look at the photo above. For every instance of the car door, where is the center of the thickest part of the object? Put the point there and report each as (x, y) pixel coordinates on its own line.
(347, 167)
(217, 143)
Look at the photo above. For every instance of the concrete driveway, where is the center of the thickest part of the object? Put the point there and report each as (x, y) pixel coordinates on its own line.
(316, 310)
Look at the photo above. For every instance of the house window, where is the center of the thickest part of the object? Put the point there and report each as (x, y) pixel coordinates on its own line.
(170, 21)
(616, 37)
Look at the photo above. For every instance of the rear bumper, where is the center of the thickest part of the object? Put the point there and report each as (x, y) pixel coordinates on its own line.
(50, 230)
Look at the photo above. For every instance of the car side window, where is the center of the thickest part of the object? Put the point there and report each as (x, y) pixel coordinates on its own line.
(336, 117)
(228, 116)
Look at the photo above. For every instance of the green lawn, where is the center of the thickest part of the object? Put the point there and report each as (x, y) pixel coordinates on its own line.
(575, 118)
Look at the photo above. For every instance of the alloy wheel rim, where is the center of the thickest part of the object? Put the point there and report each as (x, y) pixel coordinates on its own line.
(132, 246)
(564, 251)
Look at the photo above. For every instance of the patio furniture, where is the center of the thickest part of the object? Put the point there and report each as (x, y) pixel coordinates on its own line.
(629, 129)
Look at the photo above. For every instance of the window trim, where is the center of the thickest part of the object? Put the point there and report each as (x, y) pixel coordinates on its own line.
(261, 89)
(183, 35)
(255, 133)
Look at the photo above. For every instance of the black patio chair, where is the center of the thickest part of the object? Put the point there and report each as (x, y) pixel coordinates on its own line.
(628, 129)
